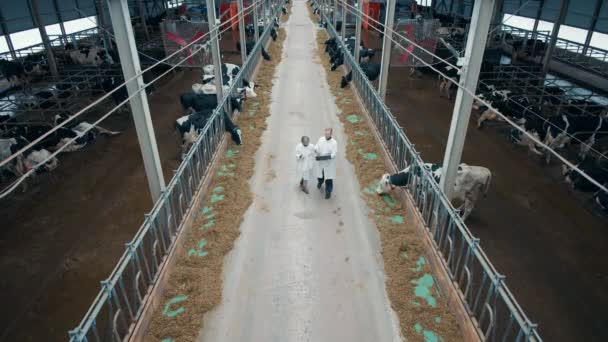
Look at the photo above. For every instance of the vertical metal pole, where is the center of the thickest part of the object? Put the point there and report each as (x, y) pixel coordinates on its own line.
(539, 12)
(596, 14)
(45, 38)
(563, 9)
(129, 61)
(359, 14)
(255, 23)
(335, 19)
(215, 53)
(478, 34)
(343, 33)
(101, 22)
(386, 47)
(64, 36)
(535, 27)
(7, 36)
(242, 31)
(498, 13)
(142, 17)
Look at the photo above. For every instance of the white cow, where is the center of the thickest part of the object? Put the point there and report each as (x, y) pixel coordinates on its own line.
(470, 183)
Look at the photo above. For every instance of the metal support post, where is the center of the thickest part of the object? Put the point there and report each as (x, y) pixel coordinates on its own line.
(101, 22)
(596, 14)
(7, 36)
(476, 42)
(343, 33)
(215, 53)
(563, 9)
(335, 16)
(386, 47)
(539, 12)
(142, 17)
(64, 36)
(129, 61)
(498, 13)
(255, 23)
(359, 16)
(45, 38)
(242, 31)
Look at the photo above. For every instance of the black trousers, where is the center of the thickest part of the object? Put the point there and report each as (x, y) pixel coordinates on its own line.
(329, 183)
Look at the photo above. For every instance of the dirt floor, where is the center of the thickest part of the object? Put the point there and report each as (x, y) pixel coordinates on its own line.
(195, 281)
(549, 242)
(64, 235)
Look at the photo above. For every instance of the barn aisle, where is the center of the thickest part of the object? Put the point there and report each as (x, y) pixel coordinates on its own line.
(304, 268)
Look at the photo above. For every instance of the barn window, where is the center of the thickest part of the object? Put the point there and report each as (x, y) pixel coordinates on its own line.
(26, 38)
(3, 45)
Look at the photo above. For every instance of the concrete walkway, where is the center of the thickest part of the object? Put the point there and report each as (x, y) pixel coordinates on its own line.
(304, 268)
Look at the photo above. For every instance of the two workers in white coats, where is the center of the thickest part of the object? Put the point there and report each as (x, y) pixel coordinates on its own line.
(305, 162)
(326, 149)
(317, 160)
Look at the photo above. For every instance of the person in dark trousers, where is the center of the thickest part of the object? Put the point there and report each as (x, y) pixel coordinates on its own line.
(326, 149)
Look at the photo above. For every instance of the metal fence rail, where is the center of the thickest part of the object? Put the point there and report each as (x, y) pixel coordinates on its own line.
(487, 299)
(119, 304)
(588, 58)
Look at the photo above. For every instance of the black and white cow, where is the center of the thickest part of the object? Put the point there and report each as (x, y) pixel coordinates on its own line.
(208, 87)
(207, 99)
(190, 126)
(13, 72)
(533, 125)
(83, 131)
(578, 182)
(371, 71)
(516, 107)
(446, 87)
(560, 130)
(9, 146)
(29, 160)
(471, 183)
(89, 56)
(249, 45)
(229, 72)
(336, 52)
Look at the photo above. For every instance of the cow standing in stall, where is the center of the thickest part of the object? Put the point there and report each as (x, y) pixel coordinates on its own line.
(471, 183)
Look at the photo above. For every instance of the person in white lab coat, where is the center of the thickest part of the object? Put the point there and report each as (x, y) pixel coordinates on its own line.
(326, 149)
(305, 159)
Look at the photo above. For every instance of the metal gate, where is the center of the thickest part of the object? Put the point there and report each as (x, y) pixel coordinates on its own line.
(420, 31)
(178, 33)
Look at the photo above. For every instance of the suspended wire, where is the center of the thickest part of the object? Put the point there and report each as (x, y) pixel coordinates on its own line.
(21, 179)
(108, 94)
(359, 14)
(141, 52)
(16, 183)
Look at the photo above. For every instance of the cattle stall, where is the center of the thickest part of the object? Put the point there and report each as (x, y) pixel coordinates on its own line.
(532, 46)
(529, 210)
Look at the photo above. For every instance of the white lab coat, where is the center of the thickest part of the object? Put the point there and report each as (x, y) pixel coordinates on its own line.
(326, 148)
(305, 161)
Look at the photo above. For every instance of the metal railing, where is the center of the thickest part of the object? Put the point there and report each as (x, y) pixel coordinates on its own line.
(489, 302)
(587, 58)
(119, 304)
(54, 40)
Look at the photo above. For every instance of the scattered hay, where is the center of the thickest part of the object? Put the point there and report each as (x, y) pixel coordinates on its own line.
(195, 284)
(422, 311)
